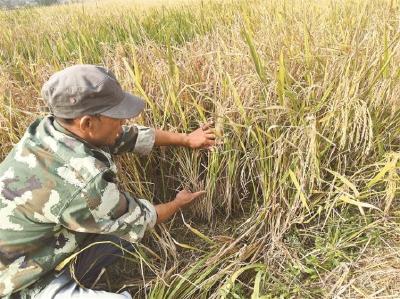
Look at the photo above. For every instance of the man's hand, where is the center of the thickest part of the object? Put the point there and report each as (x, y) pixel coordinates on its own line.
(185, 197)
(203, 137)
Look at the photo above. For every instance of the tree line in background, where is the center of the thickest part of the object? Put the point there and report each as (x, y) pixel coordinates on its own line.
(12, 4)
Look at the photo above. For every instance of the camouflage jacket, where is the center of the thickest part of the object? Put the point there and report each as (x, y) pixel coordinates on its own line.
(54, 188)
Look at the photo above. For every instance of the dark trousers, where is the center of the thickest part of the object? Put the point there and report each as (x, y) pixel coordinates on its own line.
(90, 262)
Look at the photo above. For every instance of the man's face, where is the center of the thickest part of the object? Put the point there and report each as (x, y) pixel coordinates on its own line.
(104, 131)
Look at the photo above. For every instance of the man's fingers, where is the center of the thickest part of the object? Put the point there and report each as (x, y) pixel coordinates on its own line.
(211, 136)
(210, 142)
(209, 131)
(198, 193)
(207, 125)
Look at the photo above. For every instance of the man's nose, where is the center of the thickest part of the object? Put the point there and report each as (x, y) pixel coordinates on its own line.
(120, 132)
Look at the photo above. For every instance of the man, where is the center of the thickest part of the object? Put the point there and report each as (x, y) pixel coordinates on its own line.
(58, 187)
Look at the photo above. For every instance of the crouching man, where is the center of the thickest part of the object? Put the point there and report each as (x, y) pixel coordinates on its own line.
(58, 187)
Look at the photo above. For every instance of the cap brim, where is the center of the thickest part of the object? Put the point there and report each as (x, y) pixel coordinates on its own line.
(130, 106)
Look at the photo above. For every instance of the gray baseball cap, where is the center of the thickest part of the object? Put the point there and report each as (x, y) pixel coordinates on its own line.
(88, 90)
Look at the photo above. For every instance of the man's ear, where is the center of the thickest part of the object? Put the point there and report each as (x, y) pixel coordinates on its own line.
(86, 123)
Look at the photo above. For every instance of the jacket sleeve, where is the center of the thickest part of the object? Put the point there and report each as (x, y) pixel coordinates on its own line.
(101, 208)
(138, 139)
